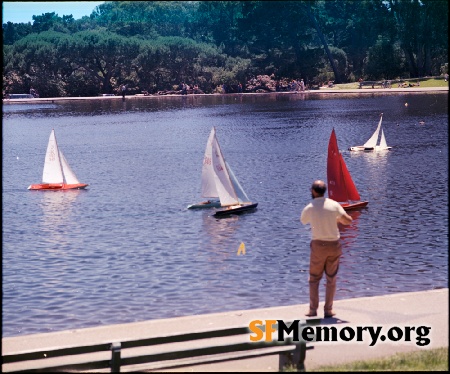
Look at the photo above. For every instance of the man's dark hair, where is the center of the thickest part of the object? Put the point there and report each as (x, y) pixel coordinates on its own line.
(320, 188)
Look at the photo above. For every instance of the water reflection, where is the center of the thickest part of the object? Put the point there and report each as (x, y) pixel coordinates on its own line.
(349, 233)
(220, 233)
(55, 222)
(374, 157)
(371, 173)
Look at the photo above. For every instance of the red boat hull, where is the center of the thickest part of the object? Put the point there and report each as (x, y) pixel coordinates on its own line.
(352, 206)
(57, 186)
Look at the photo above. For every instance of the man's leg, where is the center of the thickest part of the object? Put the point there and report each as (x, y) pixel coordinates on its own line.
(316, 268)
(334, 252)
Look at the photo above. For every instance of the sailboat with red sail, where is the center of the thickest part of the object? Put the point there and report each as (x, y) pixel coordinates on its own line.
(341, 187)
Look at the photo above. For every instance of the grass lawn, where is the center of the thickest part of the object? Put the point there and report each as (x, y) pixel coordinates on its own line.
(425, 360)
(424, 82)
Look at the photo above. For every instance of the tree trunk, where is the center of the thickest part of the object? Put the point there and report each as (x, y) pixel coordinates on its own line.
(427, 68)
(412, 63)
(325, 45)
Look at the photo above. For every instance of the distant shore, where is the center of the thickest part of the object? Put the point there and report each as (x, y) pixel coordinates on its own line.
(361, 91)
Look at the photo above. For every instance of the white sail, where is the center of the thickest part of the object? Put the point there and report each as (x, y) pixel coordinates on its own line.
(69, 175)
(225, 188)
(52, 167)
(208, 182)
(372, 142)
(241, 195)
(383, 144)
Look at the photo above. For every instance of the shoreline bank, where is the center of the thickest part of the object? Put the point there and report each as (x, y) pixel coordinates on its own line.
(362, 91)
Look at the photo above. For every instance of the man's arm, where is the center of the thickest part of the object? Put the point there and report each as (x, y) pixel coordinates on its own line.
(345, 219)
(304, 217)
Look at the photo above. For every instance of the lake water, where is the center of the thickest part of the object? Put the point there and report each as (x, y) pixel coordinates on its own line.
(126, 249)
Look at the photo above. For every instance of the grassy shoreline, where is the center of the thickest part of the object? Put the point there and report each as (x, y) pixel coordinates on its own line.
(424, 82)
(425, 360)
(427, 85)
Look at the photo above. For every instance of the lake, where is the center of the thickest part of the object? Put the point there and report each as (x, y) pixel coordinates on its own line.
(126, 249)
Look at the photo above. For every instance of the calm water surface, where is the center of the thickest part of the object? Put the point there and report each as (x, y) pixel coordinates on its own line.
(126, 249)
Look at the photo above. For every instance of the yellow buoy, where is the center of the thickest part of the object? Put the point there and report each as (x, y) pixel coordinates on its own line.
(241, 249)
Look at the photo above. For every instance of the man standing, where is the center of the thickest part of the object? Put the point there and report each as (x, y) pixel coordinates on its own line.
(323, 214)
(123, 90)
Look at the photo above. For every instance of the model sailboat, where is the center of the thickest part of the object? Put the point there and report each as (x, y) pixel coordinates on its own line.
(231, 194)
(209, 189)
(371, 144)
(57, 174)
(341, 187)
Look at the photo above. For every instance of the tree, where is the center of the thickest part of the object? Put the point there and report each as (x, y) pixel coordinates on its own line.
(44, 22)
(337, 76)
(15, 31)
(422, 29)
(385, 61)
(104, 55)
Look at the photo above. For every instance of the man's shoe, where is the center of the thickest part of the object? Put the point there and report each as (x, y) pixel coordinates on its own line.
(311, 313)
(329, 314)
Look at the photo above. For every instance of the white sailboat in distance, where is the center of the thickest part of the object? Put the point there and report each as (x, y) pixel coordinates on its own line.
(371, 144)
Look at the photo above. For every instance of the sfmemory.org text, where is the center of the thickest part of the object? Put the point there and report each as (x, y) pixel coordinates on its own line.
(297, 331)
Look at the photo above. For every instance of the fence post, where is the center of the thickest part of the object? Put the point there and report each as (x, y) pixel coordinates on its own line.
(115, 357)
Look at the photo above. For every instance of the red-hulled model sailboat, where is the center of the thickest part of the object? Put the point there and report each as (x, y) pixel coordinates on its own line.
(57, 174)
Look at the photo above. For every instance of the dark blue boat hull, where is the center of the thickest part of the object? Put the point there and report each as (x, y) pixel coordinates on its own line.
(239, 210)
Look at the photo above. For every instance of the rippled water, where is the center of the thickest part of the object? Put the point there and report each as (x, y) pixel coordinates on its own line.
(126, 249)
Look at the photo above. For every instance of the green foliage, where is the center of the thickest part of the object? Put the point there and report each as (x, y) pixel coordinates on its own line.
(384, 61)
(426, 360)
(155, 45)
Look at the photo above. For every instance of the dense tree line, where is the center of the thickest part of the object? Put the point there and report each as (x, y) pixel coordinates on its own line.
(156, 45)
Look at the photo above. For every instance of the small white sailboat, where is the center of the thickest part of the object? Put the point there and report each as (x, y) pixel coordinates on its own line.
(371, 144)
(208, 188)
(57, 174)
(231, 194)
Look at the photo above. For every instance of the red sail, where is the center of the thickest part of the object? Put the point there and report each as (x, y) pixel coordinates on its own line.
(352, 192)
(340, 183)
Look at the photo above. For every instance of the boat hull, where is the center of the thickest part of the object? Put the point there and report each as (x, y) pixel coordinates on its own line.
(57, 186)
(238, 210)
(205, 205)
(353, 206)
(357, 148)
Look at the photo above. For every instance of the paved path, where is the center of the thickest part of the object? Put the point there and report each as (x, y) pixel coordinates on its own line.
(429, 308)
(411, 309)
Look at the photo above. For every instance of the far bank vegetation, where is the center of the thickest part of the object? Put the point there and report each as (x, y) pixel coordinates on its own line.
(220, 46)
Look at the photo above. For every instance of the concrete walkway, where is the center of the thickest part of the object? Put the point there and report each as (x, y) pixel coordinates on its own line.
(413, 309)
(392, 314)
